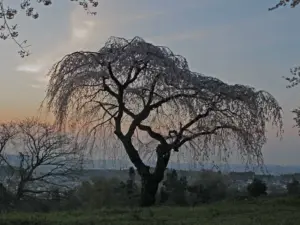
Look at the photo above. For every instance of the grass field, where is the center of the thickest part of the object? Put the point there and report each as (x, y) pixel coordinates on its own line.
(280, 211)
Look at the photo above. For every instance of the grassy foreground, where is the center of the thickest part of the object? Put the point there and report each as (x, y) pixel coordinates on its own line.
(281, 211)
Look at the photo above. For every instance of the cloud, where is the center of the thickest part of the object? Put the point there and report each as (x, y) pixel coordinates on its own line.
(142, 16)
(85, 33)
(36, 86)
(30, 68)
(82, 31)
(182, 36)
(79, 35)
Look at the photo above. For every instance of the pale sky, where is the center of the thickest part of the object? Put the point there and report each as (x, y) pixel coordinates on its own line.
(238, 41)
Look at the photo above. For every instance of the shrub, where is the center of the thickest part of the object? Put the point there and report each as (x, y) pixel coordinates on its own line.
(257, 188)
(210, 187)
(293, 187)
(173, 190)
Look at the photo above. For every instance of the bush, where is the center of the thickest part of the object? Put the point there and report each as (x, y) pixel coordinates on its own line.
(107, 193)
(293, 187)
(257, 188)
(173, 190)
(210, 187)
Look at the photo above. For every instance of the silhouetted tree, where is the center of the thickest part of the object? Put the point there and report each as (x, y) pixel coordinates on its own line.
(257, 188)
(8, 12)
(130, 86)
(44, 159)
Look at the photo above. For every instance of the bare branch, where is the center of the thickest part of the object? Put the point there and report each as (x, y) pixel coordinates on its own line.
(44, 155)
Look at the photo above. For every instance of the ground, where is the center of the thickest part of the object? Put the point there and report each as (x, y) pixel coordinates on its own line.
(279, 211)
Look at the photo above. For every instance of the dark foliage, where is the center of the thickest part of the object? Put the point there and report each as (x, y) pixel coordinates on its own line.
(173, 190)
(291, 3)
(293, 187)
(257, 188)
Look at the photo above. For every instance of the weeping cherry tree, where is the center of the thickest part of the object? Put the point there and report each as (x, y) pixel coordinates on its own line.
(132, 86)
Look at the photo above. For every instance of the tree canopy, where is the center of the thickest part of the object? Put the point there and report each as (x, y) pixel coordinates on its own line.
(131, 86)
(8, 13)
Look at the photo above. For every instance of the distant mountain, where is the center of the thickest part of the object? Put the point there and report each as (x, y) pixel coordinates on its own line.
(124, 164)
(272, 169)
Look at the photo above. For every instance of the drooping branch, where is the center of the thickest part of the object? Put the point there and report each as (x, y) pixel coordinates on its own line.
(208, 132)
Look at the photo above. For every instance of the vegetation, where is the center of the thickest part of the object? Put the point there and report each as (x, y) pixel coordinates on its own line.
(257, 188)
(291, 3)
(47, 160)
(293, 187)
(175, 190)
(144, 97)
(260, 211)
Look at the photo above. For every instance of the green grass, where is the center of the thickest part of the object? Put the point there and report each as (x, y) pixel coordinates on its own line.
(279, 211)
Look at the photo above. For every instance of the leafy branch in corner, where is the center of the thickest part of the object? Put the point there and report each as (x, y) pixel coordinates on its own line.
(8, 14)
(292, 3)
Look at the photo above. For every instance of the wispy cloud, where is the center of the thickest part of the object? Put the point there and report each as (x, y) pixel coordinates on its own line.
(30, 68)
(180, 36)
(80, 33)
(37, 86)
(85, 33)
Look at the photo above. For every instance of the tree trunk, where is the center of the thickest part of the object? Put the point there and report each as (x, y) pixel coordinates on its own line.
(150, 181)
(149, 190)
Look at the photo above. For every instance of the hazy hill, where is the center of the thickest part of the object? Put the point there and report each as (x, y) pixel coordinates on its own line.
(112, 165)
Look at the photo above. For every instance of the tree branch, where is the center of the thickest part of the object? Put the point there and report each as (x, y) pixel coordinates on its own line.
(209, 132)
(153, 134)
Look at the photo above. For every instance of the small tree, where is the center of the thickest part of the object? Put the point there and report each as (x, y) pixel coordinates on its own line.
(257, 188)
(293, 187)
(131, 87)
(41, 158)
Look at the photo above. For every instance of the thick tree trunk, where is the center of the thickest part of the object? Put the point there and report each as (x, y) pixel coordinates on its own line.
(150, 181)
(148, 190)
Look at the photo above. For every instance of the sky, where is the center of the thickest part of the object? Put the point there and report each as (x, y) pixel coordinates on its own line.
(237, 41)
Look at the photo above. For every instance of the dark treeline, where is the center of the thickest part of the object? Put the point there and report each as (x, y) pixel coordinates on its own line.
(175, 190)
